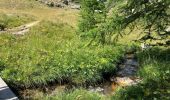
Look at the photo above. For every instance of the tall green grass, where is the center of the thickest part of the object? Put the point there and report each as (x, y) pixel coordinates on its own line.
(155, 75)
(52, 52)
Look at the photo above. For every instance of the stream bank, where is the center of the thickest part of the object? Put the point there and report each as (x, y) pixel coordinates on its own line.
(124, 76)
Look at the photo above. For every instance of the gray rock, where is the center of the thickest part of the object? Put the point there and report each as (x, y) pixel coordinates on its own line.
(75, 6)
(66, 2)
(60, 5)
(125, 81)
(99, 89)
(167, 29)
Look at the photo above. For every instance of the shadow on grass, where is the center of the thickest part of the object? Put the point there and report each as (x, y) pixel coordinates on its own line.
(2, 65)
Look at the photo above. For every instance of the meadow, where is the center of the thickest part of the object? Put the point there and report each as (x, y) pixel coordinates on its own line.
(47, 54)
(53, 52)
(8, 21)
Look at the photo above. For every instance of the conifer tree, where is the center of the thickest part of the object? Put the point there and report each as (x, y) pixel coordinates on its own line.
(152, 15)
(92, 13)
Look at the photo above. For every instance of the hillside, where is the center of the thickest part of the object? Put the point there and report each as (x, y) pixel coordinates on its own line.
(40, 11)
(44, 55)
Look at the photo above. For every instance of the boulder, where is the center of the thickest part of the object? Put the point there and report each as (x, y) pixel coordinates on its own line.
(59, 5)
(66, 2)
(75, 6)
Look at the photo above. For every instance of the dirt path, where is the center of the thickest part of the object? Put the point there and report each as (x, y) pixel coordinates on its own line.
(21, 30)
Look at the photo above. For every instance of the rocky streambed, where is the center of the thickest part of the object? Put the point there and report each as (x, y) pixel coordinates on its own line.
(125, 76)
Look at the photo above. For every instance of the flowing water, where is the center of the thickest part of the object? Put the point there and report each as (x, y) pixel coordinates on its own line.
(125, 76)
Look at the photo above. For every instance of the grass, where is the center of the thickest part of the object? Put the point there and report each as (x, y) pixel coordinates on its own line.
(40, 11)
(155, 74)
(14, 20)
(20, 4)
(78, 94)
(52, 52)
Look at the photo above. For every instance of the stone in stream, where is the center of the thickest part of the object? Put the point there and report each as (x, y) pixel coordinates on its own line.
(124, 81)
(132, 62)
(130, 56)
(96, 89)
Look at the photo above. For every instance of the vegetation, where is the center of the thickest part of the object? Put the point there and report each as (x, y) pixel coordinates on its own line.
(19, 4)
(13, 20)
(49, 54)
(153, 16)
(41, 12)
(78, 94)
(92, 13)
(155, 74)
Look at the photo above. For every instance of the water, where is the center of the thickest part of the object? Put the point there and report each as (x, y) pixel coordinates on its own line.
(125, 76)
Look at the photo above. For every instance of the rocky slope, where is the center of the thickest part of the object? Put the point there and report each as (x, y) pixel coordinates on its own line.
(61, 3)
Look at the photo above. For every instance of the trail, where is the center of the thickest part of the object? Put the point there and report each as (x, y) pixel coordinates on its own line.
(21, 30)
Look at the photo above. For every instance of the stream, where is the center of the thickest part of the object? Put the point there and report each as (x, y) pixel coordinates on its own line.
(124, 76)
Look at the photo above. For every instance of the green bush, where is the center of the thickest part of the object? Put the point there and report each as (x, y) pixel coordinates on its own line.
(51, 52)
